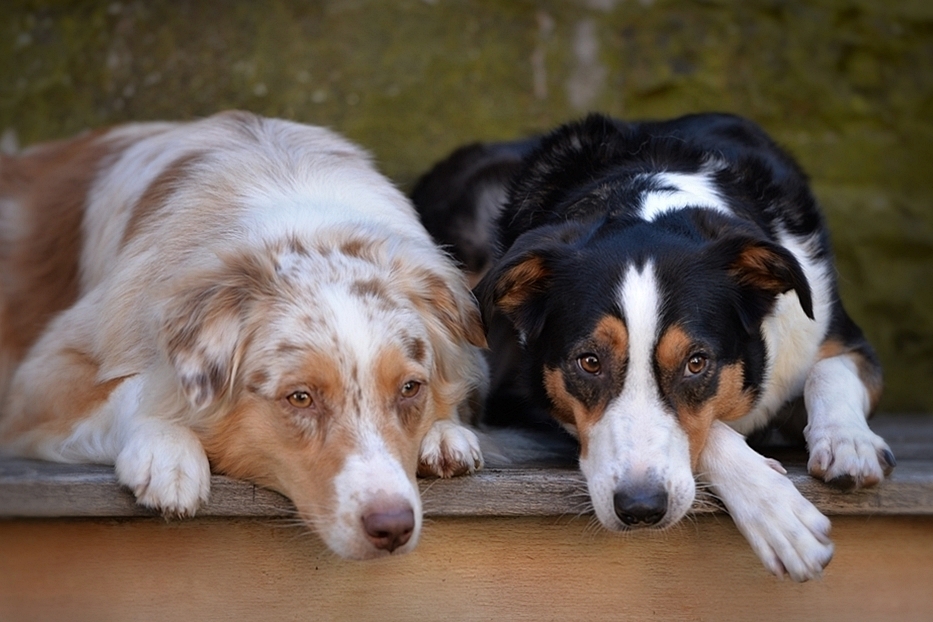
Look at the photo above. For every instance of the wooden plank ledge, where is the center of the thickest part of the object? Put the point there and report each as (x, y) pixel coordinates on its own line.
(30, 488)
(39, 489)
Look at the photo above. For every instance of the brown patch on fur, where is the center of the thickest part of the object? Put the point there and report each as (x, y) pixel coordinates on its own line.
(262, 438)
(612, 334)
(869, 372)
(611, 338)
(519, 283)
(370, 288)
(320, 374)
(295, 245)
(392, 369)
(255, 441)
(203, 322)
(48, 187)
(459, 315)
(76, 392)
(155, 197)
(257, 380)
(831, 348)
(755, 266)
(358, 248)
(288, 348)
(730, 402)
(565, 407)
(416, 350)
(673, 349)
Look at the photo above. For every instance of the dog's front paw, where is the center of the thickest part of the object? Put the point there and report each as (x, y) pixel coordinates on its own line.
(449, 449)
(790, 536)
(166, 468)
(848, 457)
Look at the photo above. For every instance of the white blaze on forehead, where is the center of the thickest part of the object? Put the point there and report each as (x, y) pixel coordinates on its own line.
(686, 190)
(641, 305)
(354, 325)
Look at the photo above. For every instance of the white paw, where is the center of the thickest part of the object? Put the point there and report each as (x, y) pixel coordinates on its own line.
(449, 449)
(848, 456)
(789, 535)
(166, 468)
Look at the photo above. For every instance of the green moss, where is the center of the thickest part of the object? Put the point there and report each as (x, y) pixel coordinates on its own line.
(846, 85)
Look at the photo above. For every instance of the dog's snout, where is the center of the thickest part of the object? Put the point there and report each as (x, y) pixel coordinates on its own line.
(388, 529)
(637, 506)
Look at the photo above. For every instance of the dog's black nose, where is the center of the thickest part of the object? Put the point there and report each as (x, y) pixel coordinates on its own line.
(389, 529)
(634, 506)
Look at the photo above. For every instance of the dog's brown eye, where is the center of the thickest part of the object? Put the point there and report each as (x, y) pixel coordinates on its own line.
(696, 365)
(300, 399)
(410, 389)
(589, 363)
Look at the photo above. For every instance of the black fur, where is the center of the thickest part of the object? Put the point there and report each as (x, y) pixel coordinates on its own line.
(571, 220)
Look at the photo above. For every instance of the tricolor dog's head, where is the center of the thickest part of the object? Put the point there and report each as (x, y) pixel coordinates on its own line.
(641, 334)
(317, 368)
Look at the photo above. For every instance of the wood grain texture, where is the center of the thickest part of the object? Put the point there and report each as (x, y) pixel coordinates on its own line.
(520, 568)
(30, 488)
(40, 489)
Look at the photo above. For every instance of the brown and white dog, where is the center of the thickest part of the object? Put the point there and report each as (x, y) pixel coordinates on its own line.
(660, 289)
(237, 294)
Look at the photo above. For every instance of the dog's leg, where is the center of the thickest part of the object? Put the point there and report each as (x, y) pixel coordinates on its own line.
(787, 532)
(449, 449)
(165, 466)
(843, 450)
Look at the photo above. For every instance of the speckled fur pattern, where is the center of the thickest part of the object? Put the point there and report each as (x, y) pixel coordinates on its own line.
(241, 295)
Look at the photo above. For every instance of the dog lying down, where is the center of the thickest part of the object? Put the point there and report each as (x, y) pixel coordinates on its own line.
(661, 289)
(242, 295)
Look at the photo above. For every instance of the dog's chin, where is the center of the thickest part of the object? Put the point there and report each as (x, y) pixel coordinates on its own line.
(612, 523)
(360, 550)
(348, 540)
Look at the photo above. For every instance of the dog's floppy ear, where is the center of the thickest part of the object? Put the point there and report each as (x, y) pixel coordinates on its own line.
(518, 284)
(202, 328)
(447, 299)
(762, 270)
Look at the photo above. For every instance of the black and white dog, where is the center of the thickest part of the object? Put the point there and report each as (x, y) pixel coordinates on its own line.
(662, 289)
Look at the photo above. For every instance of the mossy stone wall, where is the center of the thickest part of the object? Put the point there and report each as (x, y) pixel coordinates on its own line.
(846, 85)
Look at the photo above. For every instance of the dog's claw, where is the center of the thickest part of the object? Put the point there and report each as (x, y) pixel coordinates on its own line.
(887, 458)
(776, 465)
(849, 459)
